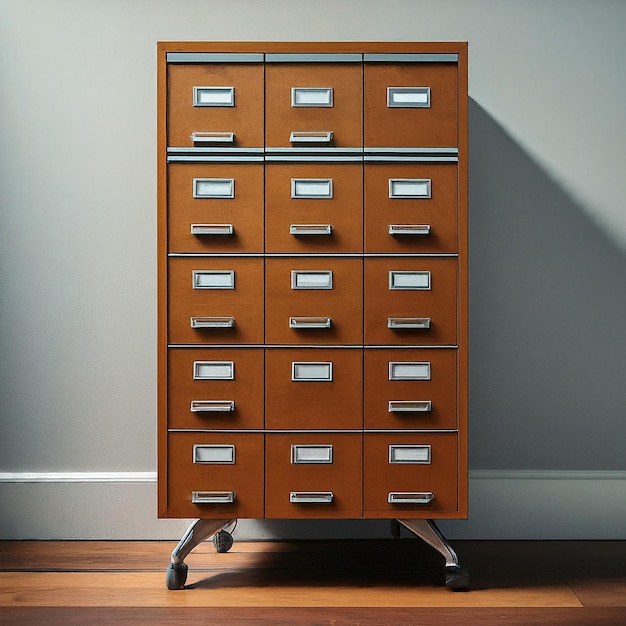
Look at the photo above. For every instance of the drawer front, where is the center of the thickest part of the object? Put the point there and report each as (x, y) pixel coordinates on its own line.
(209, 213)
(215, 300)
(409, 475)
(411, 104)
(413, 389)
(313, 301)
(411, 208)
(411, 301)
(309, 98)
(313, 388)
(314, 208)
(215, 475)
(205, 397)
(212, 98)
(313, 475)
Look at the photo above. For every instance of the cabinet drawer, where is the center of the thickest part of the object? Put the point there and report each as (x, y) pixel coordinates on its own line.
(413, 389)
(197, 400)
(411, 104)
(215, 300)
(411, 208)
(411, 301)
(313, 388)
(313, 301)
(309, 98)
(313, 475)
(314, 208)
(215, 475)
(409, 475)
(215, 98)
(215, 208)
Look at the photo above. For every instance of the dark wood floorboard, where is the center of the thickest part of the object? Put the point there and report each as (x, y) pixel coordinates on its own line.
(512, 583)
(583, 616)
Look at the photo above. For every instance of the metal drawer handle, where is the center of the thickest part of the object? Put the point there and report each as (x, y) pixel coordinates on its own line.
(311, 136)
(311, 497)
(408, 322)
(212, 229)
(403, 497)
(310, 322)
(409, 229)
(212, 137)
(212, 406)
(410, 406)
(213, 497)
(310, 229)
(212, 322)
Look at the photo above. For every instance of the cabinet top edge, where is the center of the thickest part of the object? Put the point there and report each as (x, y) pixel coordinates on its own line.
(314, 47)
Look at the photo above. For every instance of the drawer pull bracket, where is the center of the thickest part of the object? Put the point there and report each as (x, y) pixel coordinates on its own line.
(213, 497)
(212, 229)
(311, 497)
(409, 229)
(212, 406)
(310, 322)
(311, 136)
(310, 229)
(410, 406)
(201, 137)
(408, 322)
(212, 322)
(401, 497)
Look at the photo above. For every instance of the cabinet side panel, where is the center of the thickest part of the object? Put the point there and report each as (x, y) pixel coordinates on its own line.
(463, 311)
(162, 277)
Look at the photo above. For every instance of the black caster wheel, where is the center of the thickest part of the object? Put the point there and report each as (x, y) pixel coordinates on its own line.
(457, 578)
(395, 528)
(176, 576)
(223, 541)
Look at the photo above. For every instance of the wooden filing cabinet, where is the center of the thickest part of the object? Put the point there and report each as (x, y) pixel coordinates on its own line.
(312, 292)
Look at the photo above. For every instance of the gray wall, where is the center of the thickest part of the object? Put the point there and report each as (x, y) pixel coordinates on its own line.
(77, 253)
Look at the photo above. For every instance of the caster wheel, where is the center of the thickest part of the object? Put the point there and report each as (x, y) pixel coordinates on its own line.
(223, 541)
(395, 528)
(457, 578)
(176, 576)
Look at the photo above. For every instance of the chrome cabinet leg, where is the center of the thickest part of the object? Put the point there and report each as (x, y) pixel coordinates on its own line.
(197, 532)
(457, 577)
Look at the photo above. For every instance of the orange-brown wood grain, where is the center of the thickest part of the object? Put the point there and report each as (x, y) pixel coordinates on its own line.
(360, 213)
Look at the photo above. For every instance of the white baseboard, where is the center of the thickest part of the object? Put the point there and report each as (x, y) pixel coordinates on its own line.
(504, 504)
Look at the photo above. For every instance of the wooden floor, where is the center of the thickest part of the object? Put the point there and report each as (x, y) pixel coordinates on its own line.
(313, 582)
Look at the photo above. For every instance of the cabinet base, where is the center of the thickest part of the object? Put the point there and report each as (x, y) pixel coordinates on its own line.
(456, 576)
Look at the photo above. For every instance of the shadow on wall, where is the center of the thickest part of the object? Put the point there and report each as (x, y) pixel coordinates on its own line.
(548, 318)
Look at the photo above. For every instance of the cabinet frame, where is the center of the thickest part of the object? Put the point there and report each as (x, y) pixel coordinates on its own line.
(314, 48)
